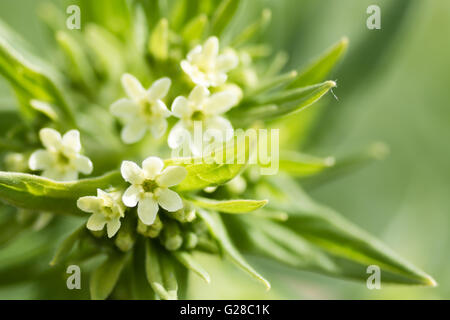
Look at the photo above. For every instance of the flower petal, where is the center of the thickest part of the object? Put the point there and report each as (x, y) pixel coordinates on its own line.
(40, 159)
(71, 141)
(159, 89)
(147, 210)
(227, 61)
(96, 222)
(83, 164)
(53, 173)
(158, 127)
(178, 135)
(112, 226)
(196, 51)
(51, 139)
(133, 87)
(169, 199)
(133, 132)
(180, 107)
(131, 196)
(171, 176)
(124, 107)
(131, 172)
(211, 48)
(220, 102)
(159, 108)
(218, 124)
(198, 95)
(152, 166)
(90, 204)
(69, 175)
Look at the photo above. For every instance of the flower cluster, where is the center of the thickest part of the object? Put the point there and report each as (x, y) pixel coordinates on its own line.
(145, 110)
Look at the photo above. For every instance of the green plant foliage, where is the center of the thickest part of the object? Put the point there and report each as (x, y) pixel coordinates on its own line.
(110, 102)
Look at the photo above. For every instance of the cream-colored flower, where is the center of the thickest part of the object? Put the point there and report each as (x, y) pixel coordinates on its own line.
(143, 109)
(150, 187)
(106, 208)
(206, 67)
(201, 107)
(61, 160)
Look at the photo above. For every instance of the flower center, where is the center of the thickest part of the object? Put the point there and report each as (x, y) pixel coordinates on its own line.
(149, 186)
(108, 212)
(198, 116)
(146, 109)
(63, 159)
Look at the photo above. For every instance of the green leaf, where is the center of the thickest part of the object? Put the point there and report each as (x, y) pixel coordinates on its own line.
(159, 40)
(253, 29)
(140, 286)
(30, 80)
(280, 104)
(79, 65)
(106, 50)
(178, 14)
(160, 272)
(229, 206)
(303, 165)
(352, 249)
(319, 69)
(218, 231)
(277, 242)
(216, 168)
(347, 165)
(105, 277)
(41, 194)
(186, 259)
(67, 245)
(223, 15)
(194, 29)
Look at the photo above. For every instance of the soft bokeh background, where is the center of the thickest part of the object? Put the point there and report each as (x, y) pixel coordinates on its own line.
(394, 87)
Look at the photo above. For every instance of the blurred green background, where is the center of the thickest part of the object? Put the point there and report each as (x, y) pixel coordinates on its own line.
(394, 87)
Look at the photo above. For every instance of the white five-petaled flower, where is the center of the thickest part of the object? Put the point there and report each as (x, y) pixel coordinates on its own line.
(143, 109)
(150, 187)
(201, 107)
(61, 160)
(206, 67)
(106, 209)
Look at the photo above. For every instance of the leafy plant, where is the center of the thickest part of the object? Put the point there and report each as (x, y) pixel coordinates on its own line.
(149, 221)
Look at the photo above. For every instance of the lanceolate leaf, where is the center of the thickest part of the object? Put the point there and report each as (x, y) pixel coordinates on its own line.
(67, 245)
(352, 249)
(223, 15)
(302, 165)
(214, 169)
(275, 241)
(105, 277)
(37, 193)
(186, 259)
(217, 229)
(160, 272)
(280, 103)
(347, 164)
(30, 80)
(319, 69)
(230, 206)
